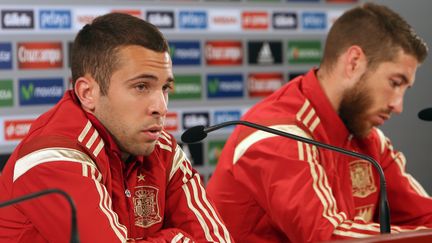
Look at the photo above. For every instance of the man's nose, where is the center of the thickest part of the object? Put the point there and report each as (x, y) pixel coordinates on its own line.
(158, 105)
(397, 104)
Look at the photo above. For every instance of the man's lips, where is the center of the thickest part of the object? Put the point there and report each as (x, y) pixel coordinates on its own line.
(380, 119)
(153, 132)
(385, 117)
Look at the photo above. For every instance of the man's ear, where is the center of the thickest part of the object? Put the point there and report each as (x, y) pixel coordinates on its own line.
(355, 63)
(87, 91)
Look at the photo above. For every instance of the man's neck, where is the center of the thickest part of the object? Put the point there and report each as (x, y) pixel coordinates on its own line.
(329, 84)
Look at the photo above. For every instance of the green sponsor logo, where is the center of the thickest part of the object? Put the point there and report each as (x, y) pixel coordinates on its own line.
(214, 150)
(187, 87)
(27, 91)
(304, 52)
(6, 93)
(171, 50)
(213, 86)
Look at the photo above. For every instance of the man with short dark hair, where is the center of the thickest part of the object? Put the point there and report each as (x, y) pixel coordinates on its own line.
(104, 144)
(273, 189)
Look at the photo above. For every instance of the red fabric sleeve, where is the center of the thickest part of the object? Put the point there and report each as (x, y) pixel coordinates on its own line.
(50, 214)
(167, 236)
(416, 207)
(188, 207)
(301, 196)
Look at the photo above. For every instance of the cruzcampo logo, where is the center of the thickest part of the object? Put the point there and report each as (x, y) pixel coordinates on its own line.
(215, 150)
(27, 91)
(187, 87)
(304, 52)
(6, 93)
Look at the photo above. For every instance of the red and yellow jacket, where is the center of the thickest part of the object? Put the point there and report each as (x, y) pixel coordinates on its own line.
(157, 198)
(269, 188)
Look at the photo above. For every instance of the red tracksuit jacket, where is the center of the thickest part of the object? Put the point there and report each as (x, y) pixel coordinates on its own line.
(158, 198)
(269, 188)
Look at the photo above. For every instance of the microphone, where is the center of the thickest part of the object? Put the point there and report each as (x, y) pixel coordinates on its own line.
(198, 133)
(425, 114)
(74, 230)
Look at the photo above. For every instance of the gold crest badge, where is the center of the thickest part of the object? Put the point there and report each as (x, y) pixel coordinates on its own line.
(146, 206)
(363, 183)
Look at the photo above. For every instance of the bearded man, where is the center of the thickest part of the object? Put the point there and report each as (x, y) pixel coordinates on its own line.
(272, 189)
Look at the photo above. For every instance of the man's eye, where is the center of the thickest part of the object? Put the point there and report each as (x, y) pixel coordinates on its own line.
(141, 87)
(168, 87)
(395, 83)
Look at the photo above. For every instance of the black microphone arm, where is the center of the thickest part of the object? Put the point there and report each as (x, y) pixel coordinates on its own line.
(74, 228)
(198, 133)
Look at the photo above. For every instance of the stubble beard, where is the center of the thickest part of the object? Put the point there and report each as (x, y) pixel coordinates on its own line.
(123, 137)
(354, 105)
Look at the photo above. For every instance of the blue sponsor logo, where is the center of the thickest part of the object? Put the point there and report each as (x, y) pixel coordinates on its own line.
(185, 53)
(55, 19)
(224, 85)
(5, 56)
(40, 91)
(314, 20)
(193, 20)
(227, 115)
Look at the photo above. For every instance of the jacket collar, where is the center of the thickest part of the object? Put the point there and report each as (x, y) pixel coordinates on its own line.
(108, 139)
(334, 127)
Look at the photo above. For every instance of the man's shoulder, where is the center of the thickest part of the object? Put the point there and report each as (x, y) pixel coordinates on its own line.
(288, 112)
(378, 138)
(66, 118)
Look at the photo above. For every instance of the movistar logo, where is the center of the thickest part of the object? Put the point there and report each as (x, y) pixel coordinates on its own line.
(27, 92)
(213, 86)
(40, 91)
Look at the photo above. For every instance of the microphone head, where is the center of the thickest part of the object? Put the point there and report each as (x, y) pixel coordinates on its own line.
(425, 114)
(194, 134)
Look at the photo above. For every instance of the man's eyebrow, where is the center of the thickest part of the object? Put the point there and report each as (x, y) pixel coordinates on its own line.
(143, 76)
(149, 77)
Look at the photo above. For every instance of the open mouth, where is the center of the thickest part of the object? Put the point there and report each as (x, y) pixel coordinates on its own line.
(385, 117)
(153, 132)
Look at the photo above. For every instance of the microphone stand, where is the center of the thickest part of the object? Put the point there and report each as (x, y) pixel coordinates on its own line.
(74, 229)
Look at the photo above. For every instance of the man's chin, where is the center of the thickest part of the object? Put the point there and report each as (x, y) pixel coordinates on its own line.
(363, 133)
(144, 150)
(147, 151)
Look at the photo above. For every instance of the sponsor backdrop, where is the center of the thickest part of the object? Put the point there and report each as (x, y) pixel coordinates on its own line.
(227, 55)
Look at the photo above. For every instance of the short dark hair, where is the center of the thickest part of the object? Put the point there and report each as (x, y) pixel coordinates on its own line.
(96, 45)
(378, 30)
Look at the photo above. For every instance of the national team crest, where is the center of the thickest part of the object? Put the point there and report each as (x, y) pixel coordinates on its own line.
(363, 183)
(146, 206)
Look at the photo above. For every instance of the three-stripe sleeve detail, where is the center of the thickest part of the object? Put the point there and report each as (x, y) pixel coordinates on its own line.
(400, 160)
(197, 201)
(91, 139)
